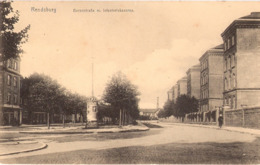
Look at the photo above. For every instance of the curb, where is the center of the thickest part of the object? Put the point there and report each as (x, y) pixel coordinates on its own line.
(85, 132)
(28, 150)
(53, 132)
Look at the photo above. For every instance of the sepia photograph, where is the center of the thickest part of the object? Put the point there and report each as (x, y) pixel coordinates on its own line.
(129, 82)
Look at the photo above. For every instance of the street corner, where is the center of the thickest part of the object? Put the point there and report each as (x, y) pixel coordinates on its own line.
(16, 147)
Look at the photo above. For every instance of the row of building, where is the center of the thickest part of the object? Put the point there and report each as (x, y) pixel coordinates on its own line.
(227, 74)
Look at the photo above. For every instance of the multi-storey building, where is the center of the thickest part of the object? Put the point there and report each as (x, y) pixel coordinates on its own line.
(211, 78)
(170, 94)
(193, 81)
(182, 86)
(242, 61)
(10, 111)
(175, 92)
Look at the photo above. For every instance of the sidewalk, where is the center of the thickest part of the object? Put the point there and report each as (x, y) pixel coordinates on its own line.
(251, 131)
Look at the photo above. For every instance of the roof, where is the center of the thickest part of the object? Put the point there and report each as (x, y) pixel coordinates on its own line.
(253, 20)
(193, 68)
(148, 110)
(253, 15)
(221, 46)
(217, 49)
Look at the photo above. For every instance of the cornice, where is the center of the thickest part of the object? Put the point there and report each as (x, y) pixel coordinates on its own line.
(240, 23)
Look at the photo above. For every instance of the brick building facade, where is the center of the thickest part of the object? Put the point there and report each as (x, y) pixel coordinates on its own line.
(193, 81)
(211, 79)
(170, 94)
(242, 62)
(182, 86)
(10, 111)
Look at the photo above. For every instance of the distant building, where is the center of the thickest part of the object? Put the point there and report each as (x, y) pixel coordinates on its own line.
(242, 61)
(182, 86)
(175, 92)
(211, 78)
(193, 81)
(151, 113)
(10, 111)
(170, 94)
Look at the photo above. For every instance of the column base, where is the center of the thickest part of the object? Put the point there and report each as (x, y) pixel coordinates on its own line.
(91, 125)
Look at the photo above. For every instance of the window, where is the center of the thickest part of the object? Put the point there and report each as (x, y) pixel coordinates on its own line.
(8, 98)
(229, 59)
(229, 82)
(229, 101)
(8, 80)
(233, 59)
(15, 99)
(233, 40)
(9, 63)
(225, 65)
(225, 46)
(15, 81)
(15, 65)
(228, 43)
(234, 102)
(234, 80)
(226, 84)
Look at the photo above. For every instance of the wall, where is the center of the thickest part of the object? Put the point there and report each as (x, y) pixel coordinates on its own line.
(1, 97)
(249, 117)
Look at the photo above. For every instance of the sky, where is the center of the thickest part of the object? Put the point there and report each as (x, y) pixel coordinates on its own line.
(154, 45)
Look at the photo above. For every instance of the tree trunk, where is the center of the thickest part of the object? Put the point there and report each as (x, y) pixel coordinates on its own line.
(120, 117)
(123, 117)
(63, 120)
(48, 120)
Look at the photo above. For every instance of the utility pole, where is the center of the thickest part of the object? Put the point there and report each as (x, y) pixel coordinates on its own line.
(157, 103)
(92, 78)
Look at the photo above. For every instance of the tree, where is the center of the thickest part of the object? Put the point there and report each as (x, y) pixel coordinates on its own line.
(168, 109)
(42, 94)
(186, 104)
(104, 110)
(122, 95)
(10, 41)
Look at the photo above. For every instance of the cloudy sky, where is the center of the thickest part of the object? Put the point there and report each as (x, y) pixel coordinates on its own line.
(154, 45)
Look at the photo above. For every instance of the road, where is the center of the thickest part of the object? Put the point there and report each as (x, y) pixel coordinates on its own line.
(169, 134)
